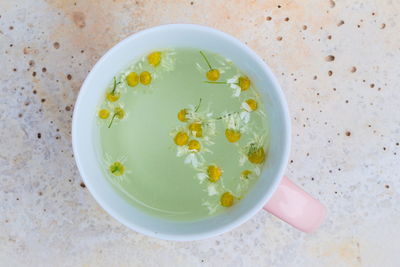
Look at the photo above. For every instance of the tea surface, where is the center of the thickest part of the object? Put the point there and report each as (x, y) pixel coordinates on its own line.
(183, 134)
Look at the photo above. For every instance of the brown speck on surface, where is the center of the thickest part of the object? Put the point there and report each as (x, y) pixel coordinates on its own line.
(14, 69)
(20, 115)
(34, 73)
(329, 37)
(340, 23)
(286, 19)
(40, 193)
(347, 101)
(79, 19)
(332, 3)
(384, 148)
(268, 18)
(383, 26)
(44, 69)
(353, 69)
(373, 13)
(82, 185)
(315, 77)
(31, 63)
(69, 76)
(279, 38)
(387, 186)
(56, 45)
(11, 27)
(191, 3)
(68, 108)
(330, 58)
(279, 6)
(330, 73)
(43, 100)
(39, 135)
(34, 92)
(347, 133)
(372, 85)
(304, 27)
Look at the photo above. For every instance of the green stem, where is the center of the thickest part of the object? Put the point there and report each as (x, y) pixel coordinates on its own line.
(115, 86)
(205, 58)
(198, 106)
(112, 120)
(227, 115)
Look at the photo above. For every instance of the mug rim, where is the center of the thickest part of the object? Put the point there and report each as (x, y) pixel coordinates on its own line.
(257, 205)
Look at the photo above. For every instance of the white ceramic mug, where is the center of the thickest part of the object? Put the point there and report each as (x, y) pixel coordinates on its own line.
(272, 191)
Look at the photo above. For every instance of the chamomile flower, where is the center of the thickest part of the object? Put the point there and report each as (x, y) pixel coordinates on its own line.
(199, 121)
(235, 126)
(212, 74)
(227, 199)
(192, 149)
(104, 114)
(162, 61)
(118, 113)
(115, 167)
(113, 94)
(211, 173)
(254, 151)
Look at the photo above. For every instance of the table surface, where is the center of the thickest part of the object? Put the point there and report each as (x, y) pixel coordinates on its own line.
(344, 112)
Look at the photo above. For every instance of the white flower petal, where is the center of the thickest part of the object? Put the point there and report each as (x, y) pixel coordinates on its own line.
(257, 170)
(212, 190)
(237, 90)
(202, 177)
(246, 107)
(242, 159)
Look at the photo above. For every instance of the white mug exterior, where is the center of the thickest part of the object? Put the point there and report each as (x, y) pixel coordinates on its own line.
(172, 36)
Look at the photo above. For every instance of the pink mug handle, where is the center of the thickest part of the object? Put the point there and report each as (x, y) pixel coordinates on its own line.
(296, 207)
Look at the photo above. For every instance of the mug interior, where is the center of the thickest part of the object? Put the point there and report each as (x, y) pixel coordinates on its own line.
(174, 36)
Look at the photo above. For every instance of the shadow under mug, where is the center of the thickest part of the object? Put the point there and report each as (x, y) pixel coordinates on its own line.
(272, 191)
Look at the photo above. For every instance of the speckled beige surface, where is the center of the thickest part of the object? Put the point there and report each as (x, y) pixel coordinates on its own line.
(346, 131)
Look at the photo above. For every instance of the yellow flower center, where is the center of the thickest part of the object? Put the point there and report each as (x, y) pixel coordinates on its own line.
(112, 97)
(232, 135)
(213, 75)
(182, 115)
(226, 199)
(117, 168)
(119, 113)
(181, 139)
(154, 58)
(252, 104)
(104, 113)
(145, 77)
(244, 83)
(196, 128)
(132, 79)
(194, 145)
(246, 173)
(256, 156)
(214, 173)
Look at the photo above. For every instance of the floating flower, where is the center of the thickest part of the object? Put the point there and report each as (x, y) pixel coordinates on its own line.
(132, 79)
(117, 168)
(119, 113)
(232, 135)
(194, 146)
(246, 174)
(196, 129)
(182, 115)
(212, 74)
(145, 78)
(154, 58)
(214, 173)
(181, 138)
(227, 199)
(250, 105)
(113, 95)
(104, 114)
(237, 83)
(254, 152)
